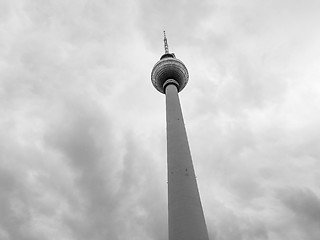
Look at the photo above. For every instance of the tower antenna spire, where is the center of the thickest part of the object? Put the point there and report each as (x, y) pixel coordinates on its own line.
(166, 47)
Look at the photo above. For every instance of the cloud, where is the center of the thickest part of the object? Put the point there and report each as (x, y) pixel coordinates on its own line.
(85, 181)
(303, 209)
(82, 131)
(180, 17)
(13, 212)
(303, 202)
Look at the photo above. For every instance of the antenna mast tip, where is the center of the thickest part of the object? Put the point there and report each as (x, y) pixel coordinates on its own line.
(166, 47)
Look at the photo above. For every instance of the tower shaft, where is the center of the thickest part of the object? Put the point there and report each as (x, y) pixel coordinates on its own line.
(186, 219)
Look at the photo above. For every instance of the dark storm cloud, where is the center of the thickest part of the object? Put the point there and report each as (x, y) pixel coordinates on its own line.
(111, 177)
(78, 136)
(304, 210)
(14, 214)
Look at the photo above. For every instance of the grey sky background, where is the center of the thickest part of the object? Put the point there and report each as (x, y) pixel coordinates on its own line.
(82, 130)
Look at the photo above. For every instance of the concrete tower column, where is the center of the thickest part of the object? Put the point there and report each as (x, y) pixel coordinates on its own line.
(186, 219)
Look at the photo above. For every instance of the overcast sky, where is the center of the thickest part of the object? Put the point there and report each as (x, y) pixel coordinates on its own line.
(82, 129)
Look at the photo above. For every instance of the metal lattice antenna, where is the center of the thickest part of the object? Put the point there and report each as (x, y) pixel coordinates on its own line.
(166, 47)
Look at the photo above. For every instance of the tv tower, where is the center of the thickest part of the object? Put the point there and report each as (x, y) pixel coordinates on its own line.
(186, 219)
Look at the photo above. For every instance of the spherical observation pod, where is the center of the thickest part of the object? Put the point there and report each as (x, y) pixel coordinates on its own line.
(169, 67)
